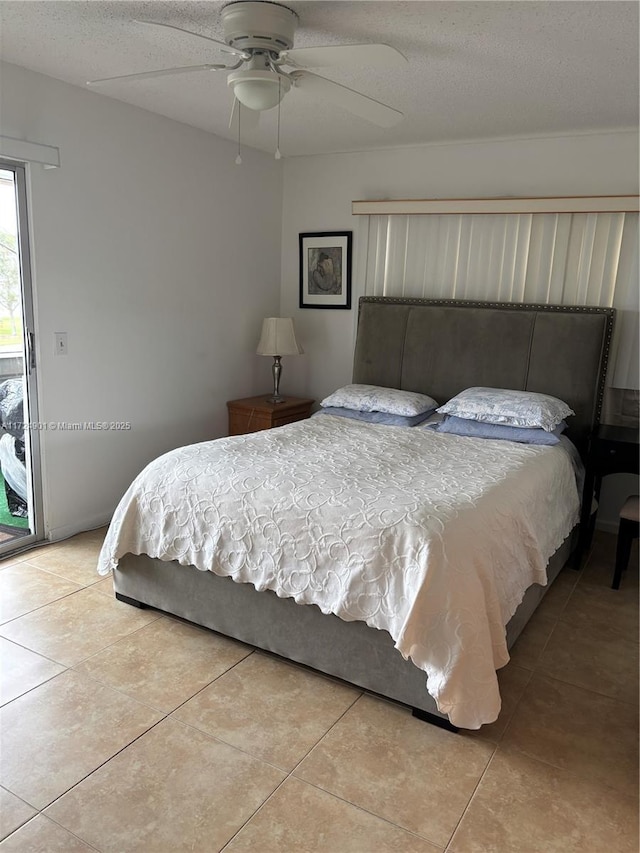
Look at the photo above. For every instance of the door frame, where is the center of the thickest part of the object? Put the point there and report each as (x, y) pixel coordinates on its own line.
(30, 404)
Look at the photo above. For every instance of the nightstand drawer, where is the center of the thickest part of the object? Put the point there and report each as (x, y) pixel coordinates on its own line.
(615, 451)
(243, 422)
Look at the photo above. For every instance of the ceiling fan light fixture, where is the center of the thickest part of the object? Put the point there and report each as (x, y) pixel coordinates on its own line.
(258, 90)
(260, 34)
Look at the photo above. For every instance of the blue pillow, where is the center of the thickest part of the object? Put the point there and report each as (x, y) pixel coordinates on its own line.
(479, 429)
(376, 417)
(511, 408)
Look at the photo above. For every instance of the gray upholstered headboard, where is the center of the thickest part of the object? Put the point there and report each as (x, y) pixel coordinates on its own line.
(440, 347)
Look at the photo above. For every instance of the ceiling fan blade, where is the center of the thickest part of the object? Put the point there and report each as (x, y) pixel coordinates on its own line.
(355, 102)
(162, 72)
(222, 45)
(249, 119)
(345, 56)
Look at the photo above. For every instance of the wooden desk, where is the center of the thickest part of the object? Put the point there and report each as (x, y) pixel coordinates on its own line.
(612, 450)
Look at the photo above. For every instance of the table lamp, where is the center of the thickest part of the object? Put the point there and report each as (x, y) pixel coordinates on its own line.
(278, 339)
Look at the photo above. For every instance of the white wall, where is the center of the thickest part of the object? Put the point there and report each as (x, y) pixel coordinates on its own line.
(318, 192)
(159, 258)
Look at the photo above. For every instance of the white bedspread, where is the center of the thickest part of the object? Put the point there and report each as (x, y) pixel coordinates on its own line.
(431, 537)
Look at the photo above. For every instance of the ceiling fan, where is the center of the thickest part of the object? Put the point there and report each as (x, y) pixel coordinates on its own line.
(264, 65)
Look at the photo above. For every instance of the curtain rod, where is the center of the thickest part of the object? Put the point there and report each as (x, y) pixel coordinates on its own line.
(29, 152)
(535, 204)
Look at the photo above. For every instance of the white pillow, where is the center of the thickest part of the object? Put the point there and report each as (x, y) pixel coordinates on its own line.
(504, 406)
(374, 398)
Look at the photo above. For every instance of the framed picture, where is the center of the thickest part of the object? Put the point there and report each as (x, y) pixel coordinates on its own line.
(325, 269)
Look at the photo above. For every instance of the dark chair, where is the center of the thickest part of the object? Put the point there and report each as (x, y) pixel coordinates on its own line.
(627, 532)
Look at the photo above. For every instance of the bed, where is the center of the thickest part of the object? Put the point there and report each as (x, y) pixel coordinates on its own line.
(435, 347)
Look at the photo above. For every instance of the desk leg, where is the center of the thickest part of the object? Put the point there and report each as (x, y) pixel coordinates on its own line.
(587, 521)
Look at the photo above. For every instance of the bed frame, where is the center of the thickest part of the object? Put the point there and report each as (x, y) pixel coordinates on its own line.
(437, 347)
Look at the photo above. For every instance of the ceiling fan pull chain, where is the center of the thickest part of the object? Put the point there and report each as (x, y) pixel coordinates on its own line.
(278, 155)
(239, 158)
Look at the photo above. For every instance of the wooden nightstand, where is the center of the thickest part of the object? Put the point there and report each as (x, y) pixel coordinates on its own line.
(256, 413)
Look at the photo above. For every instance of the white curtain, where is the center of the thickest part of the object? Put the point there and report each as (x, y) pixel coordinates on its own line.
(557, 258)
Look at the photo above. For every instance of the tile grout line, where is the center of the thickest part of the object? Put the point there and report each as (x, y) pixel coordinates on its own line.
(26, 820)
(80, 588)
(40, 606)
(290, 773)
(115, 642)
(99, 767)
(543, 674)
(165, 717)
(31, 689)
(569, 772)
(213, 681)
(239, 748)
(515, 707)
(66, 829)
(41, 811)
(470, 800)
(27, 649)
(82, 660)
(64, 577)
(119, 751)
(135, 699)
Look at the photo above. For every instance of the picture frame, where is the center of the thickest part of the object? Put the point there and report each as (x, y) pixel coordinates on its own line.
(325, 269)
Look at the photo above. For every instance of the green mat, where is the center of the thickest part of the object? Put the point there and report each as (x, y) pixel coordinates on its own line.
(5, 516)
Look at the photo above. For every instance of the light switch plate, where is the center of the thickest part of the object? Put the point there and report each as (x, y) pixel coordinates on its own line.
(61, 345)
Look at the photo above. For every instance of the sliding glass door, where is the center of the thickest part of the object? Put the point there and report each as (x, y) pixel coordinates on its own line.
(20, 485)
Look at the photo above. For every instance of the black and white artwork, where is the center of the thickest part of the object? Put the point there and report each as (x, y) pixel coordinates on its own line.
(325, 269)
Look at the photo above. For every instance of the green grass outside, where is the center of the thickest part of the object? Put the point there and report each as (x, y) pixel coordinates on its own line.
(5, 515)
(7, 336)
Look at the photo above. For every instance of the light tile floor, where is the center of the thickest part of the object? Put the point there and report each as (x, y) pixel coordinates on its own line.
(126, 730)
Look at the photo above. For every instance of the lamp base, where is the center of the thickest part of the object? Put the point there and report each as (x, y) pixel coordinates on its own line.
(276, 370)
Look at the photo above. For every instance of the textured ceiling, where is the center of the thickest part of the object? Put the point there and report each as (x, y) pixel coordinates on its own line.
(476, 70)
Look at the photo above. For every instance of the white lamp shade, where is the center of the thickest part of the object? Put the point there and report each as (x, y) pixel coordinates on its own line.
(278, 337)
